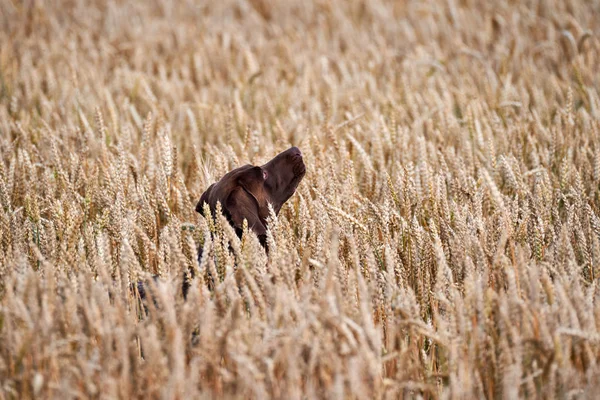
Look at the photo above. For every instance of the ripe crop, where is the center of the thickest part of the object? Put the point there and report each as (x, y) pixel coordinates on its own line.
(445, 242)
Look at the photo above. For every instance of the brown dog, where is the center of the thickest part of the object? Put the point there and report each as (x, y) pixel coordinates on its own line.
(245, 192)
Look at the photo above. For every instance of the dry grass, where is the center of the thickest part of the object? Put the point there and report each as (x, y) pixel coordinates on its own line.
(445, 242)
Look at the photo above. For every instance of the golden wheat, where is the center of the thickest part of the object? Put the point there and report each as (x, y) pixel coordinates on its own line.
(445, 242)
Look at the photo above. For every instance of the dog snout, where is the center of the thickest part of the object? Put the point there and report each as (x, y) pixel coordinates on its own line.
(299, 167)
(295, 152)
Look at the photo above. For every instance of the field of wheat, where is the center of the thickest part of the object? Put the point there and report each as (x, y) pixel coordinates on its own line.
(444, 244)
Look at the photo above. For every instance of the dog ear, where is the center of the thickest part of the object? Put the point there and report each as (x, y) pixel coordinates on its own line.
(240, 205)
(204, 199)
(252, 181)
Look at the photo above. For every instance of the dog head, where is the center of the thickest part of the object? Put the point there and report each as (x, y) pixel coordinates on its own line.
(246, 192)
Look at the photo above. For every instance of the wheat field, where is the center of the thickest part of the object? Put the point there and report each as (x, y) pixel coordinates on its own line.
(444, 244)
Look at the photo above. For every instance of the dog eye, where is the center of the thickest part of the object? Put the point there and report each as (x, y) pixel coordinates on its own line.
(265, 175)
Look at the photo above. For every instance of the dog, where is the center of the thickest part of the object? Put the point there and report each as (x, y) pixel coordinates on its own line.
(245, 194)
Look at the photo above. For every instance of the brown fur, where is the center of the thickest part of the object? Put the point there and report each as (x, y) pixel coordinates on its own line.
(246, 192)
